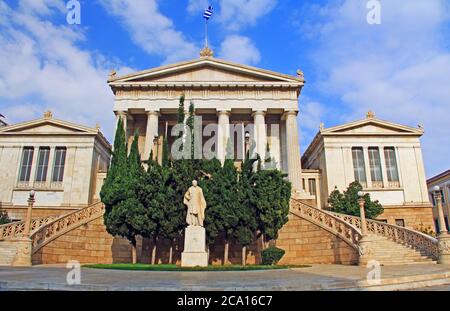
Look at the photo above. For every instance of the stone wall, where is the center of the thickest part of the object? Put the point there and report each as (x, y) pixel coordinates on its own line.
(89, 243)
(413, 216)
(306, 243)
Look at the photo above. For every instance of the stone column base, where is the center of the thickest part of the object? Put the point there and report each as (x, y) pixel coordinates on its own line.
(23, 252)
(194, 254)
(444, 248)
(366, 252)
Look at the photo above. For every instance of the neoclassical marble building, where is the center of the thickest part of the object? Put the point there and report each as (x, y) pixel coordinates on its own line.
(65, 163)
(231, 95)
(244, 105)
(384, 157)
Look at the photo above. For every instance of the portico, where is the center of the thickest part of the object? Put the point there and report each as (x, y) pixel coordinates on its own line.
(232, 99)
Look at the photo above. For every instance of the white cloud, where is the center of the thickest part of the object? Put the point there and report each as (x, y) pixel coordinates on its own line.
(400, 69)
(196, 7)
(236, 14)
(239, 49)
(41, 67)
(151, 30)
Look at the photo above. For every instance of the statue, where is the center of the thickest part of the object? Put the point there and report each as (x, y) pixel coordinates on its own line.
(196, 205)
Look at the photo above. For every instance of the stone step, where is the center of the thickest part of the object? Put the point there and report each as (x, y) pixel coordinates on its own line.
(388, 252)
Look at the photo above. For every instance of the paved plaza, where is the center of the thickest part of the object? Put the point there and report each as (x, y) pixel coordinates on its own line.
(316, 277)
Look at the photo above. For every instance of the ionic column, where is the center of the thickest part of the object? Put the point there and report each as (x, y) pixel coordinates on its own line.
(223, 134)
(293, 151)
(151, 133)
(260, 133)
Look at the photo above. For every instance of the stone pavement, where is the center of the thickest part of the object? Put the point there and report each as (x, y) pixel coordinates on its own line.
(317, 277)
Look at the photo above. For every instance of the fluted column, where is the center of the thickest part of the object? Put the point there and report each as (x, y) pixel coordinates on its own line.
(151, 133)
(223, 134)
(293, 151)
(260, 133)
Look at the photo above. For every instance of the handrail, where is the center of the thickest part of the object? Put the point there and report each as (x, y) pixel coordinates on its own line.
(326, 220)
(64, 224)
(415, 239)
(17, 229)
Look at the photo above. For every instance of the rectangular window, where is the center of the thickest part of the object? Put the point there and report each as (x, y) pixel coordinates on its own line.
(58, 167)
(312, 186)
(358, 165)
(42, 166)
(391, 164)
(27, 162)
(400, 222)
(436, 225)
(433, 201)
(375, 164)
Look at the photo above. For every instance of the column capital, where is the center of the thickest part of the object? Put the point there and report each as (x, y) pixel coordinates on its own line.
(152, 112)
(259, 112)
(121, 113)
(288, 113)
(222, 112)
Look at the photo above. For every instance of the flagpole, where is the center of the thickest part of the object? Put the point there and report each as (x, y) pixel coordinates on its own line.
(206, 33)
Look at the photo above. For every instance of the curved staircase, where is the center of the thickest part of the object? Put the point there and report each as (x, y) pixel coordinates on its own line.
(66, 223)
(393, 245)
(44, 230)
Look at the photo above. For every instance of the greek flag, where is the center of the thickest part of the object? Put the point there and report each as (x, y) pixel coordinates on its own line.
(208, 13)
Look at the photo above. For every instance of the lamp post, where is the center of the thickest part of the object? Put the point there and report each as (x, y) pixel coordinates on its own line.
(30, 201)
(443, 236)
(366, 243)
(361, 202)
(441, 219)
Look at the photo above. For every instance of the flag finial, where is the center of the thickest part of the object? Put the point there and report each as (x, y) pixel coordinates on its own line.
(206, 52)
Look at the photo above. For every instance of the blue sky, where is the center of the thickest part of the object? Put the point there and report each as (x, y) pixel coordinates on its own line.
(400, 69)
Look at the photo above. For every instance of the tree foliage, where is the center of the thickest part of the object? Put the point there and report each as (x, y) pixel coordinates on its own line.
(4, 219)
(347, 202)
(149, 203)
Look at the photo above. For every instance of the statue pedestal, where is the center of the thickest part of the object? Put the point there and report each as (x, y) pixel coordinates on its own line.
(194, 254)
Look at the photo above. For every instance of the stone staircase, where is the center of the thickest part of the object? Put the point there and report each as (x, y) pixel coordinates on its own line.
(7, 253)
(388, 252)
(392, 245)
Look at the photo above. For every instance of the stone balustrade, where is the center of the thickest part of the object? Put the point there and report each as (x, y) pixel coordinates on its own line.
(414, 239)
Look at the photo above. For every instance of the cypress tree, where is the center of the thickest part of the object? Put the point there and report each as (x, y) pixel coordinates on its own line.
(165, 153)
(123, 211)
(270, 196)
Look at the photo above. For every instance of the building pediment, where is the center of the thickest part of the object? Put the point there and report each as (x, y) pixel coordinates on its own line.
(371, 127)
(46, 126)
(206, 70)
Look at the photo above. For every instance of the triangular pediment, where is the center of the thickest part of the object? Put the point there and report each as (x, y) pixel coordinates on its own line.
(47, 126)
(372, 126)
(206, 70)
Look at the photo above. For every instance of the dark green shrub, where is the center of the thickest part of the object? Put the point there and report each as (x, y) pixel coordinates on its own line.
(4, 219)
(272, 255)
